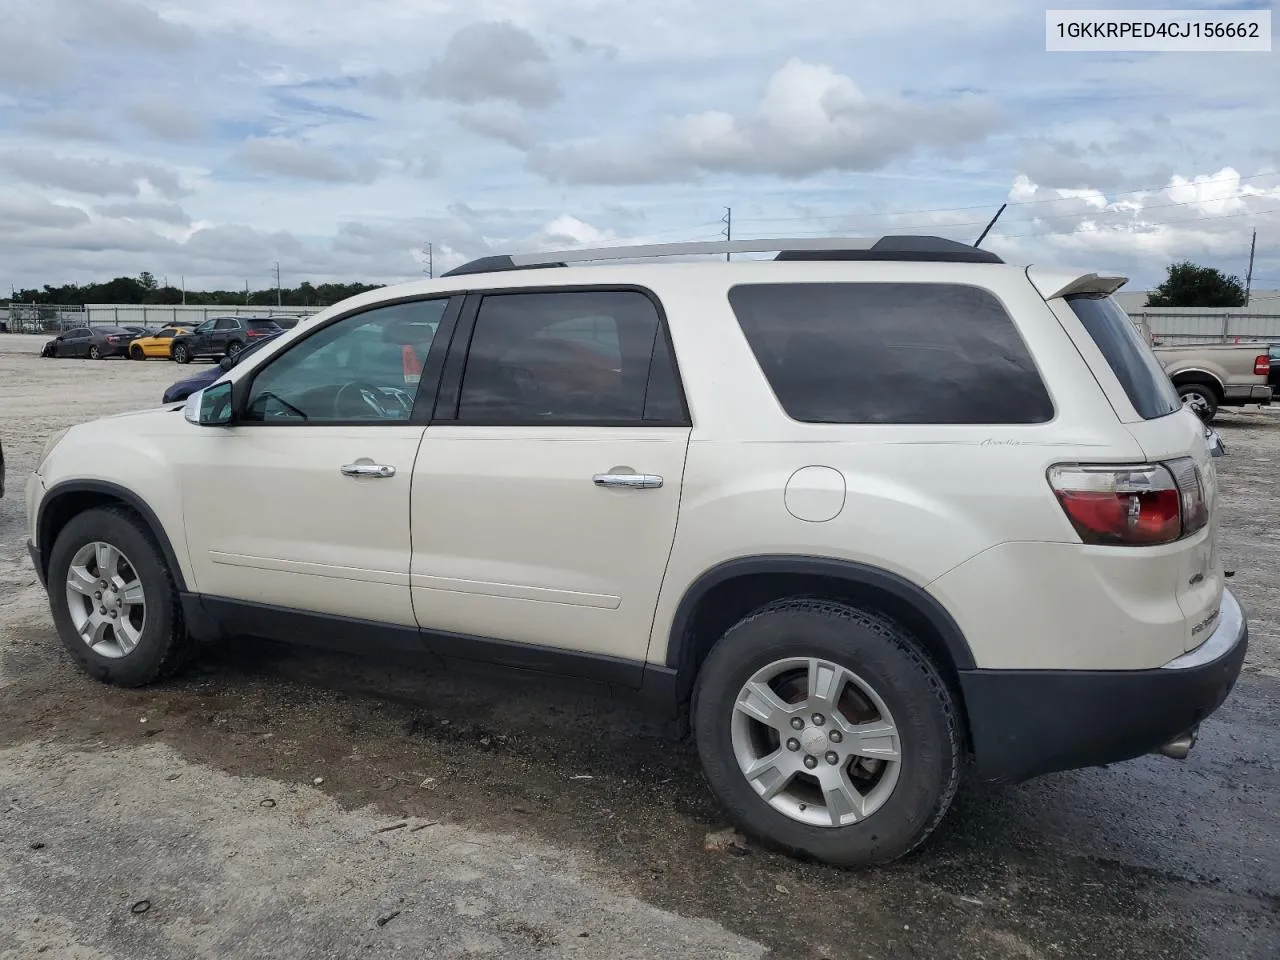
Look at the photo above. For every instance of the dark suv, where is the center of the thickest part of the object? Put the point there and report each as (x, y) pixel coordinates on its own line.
(221, 337)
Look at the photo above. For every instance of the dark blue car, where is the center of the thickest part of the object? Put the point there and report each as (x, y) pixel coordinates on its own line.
(185, 388)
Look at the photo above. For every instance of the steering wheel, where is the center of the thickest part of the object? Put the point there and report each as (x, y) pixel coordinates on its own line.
(356, 399)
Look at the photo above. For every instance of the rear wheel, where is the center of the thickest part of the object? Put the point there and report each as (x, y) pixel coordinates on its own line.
(234, 348)
(94, 352)
(826, 731)
(180, 353)
(113, 599)
(1201, 398)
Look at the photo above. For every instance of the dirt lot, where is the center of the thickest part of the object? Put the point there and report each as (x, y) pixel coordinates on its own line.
(276, 803)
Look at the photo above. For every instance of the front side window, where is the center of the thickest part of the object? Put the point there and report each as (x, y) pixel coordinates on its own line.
(569, 357)
(206, 327)
(901, 353)
(363, 368)
(164, 335)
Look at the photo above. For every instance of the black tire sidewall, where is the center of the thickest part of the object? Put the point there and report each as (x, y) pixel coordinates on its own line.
(95, 353)
(145, 662)
(911, 688)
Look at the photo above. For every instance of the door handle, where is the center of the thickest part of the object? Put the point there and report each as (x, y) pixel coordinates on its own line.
(638, 481)
(378, 471)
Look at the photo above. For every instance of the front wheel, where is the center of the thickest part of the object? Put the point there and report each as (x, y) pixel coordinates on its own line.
(180, 353)
(135, 353)
(826, 731)
(113, 599)
(1201, 398)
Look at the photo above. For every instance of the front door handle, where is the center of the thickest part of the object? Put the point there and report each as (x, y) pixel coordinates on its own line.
(380, 471)
(639, 481)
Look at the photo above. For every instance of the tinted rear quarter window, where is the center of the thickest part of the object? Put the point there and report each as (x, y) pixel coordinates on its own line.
(903, 353)
(264, 325)
(1144, 381)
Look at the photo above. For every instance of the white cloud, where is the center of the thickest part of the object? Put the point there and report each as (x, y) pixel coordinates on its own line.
(493, 61)
(122, 22)
(810, 119)
(89, 175)
(288, 158)
(167, 119)
(497, 121)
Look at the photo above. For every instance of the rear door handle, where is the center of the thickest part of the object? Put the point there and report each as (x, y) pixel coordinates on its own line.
(378, 471)
(639, 481)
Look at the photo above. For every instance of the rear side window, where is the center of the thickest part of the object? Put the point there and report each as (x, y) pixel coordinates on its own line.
(1131, 360)
(266, 326)
(909, 353)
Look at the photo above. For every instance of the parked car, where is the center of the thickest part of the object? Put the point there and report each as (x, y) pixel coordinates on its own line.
(1273, 361)
(184, 388)
(851, 592)
(96, 343)
(221, 337)
(138, 330)
(156, 345)
(1214, 375)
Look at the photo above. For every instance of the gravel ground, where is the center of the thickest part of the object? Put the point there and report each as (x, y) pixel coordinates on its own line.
(279, 803)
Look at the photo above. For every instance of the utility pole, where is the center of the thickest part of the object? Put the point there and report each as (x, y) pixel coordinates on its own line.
(983, 235)
(727, 232)
(184, 289)
(246, 293)
(429, 254)
(1248, 277)
(277, 283)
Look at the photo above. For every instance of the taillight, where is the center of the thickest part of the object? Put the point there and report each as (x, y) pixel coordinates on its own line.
(1262, 365)
(253, 333)
(1138, 505)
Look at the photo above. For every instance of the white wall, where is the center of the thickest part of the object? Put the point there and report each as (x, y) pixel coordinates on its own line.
(153, 316)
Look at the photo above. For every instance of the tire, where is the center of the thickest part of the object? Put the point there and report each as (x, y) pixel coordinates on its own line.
(162, 644)
(135, 353)
(1200, 397)
(94, 352)
(234, 348)
(180, 353)
(903, 805)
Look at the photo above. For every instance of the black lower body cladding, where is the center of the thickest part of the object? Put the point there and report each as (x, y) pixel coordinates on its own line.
(1025, 723)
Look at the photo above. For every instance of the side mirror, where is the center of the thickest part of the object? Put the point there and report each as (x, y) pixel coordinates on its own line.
(210, 407)
(226, 363)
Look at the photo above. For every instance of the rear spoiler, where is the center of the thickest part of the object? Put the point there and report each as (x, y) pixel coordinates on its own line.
(1064, 283)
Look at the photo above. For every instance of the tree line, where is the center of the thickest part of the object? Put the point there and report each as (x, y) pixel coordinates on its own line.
(144, 289)
(1186, 285)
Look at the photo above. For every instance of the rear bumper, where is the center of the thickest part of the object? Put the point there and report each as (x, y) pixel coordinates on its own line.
(1260, 393)
(1025, 723)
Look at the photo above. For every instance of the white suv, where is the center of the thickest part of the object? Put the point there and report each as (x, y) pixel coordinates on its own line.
(864, 514)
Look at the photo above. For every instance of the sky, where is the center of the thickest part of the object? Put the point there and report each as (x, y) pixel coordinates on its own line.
(205, 142)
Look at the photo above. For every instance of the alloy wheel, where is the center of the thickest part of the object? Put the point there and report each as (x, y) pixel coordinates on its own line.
(816, 742)
(106, 599)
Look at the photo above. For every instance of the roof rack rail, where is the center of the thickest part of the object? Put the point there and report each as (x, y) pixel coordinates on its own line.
(918, 248)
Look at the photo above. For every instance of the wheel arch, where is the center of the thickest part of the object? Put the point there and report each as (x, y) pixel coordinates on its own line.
(729, 591)
(72, 497)
(1196, 375)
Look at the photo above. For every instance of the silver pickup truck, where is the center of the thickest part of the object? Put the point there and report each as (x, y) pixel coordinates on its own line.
(1212, 375)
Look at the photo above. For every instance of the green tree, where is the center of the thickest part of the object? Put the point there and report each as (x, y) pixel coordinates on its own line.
(146, 280)
(1191, 285)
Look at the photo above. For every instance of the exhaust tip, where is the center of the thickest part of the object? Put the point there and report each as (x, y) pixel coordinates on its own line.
(1179, 747)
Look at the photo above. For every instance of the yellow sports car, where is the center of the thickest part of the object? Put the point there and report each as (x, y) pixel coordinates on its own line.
(154, 346)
